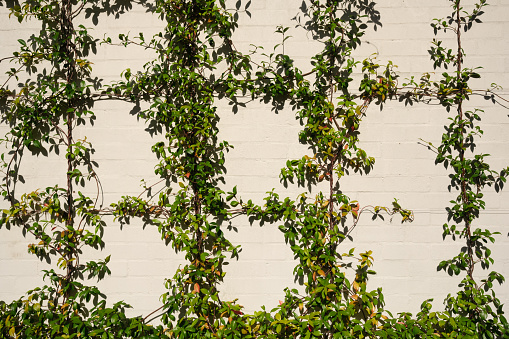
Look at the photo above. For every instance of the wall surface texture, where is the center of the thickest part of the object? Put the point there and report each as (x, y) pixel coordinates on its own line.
(406, 255)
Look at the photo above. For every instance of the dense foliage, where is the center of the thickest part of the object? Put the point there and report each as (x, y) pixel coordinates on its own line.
(196, 65)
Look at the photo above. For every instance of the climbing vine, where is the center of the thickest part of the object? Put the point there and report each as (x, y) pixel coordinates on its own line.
(177, 95)
(55, 95)
(474, 310)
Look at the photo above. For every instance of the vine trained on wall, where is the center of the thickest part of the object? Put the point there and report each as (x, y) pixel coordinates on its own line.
(196, 66)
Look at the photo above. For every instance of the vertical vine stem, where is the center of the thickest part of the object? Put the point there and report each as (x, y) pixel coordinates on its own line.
(461, 149)
(70, 64)
(332, 57)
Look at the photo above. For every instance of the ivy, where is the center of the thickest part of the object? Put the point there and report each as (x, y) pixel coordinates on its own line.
(475, 308)
(197, 65)
(474, 311)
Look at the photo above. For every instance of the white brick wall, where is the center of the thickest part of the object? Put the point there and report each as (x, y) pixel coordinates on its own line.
(406, 256)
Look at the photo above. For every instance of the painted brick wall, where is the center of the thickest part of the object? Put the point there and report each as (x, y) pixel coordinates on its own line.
(406, 256)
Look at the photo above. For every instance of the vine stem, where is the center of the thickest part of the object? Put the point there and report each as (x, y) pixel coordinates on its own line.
(334, 158)
(67, 27)
(70, 55)
(151, 313)
(464, 195)
(193, 176)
